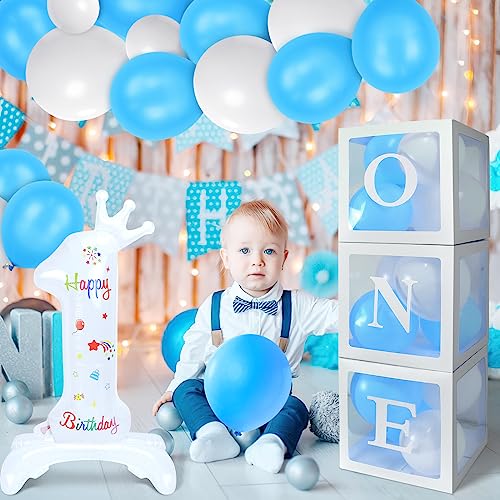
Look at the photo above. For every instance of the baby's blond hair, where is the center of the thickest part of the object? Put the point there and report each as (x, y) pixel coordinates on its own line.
(264, 213)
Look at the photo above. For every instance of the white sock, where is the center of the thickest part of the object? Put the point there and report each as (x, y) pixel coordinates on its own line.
(267, 453)
(213, 442)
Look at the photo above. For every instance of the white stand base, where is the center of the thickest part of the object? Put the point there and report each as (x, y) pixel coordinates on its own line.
(32, 454)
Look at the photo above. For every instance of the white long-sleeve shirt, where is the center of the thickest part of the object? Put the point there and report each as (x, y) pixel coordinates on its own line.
(310, 316)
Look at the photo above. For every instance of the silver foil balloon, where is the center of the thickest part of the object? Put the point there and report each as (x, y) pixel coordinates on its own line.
(167, 439)
(19, 409)
(15, 388)
(302, 472)
(168, 417)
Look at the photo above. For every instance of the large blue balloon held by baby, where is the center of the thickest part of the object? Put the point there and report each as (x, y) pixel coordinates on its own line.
(173, 337)
(247, 382)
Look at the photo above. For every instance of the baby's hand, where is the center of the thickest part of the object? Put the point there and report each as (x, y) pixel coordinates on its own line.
(166, 397)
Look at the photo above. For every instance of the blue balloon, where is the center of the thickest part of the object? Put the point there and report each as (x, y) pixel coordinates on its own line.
(320, 274)
(313, 78)
(390, 169)
(173, 337)
(18, 168)
(471, 325)
(395, 45)
(118, 16)
(22, 24)
(363, 386)
(432, 331)
(206, 22)
(392, 337)
(247, 382)
(36, 221)
(152, 96)
(367, 215)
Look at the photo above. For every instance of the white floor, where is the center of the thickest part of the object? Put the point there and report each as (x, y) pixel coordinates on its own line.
(143, 376)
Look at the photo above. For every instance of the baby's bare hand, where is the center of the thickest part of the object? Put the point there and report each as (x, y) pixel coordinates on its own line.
(166, 398)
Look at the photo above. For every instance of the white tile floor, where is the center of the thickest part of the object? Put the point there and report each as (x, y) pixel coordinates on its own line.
(143, 376)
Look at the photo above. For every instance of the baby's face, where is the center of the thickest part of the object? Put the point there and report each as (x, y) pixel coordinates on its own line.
(253, 255)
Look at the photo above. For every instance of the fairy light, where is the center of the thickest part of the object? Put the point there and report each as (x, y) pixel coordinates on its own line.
(195, 272)
(466, 32)
(233, 136)
(469, 75)
(475, 12)
(52, 125)
(37, 293)
(125, 343)
(309, 146)
(153, 327)
(315, 206)
(470, 103)
(104, 156)
(461, 62)
(476, 42)
(1, 284)
(247, 173)
(6, 299)
(187, 172)
(444, 93)
(91, 131)
(297, 266)
(183, 303)
(182, 236)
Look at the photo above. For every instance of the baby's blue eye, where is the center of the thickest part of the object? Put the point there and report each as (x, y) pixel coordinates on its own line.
(245, 251)
(269, 251)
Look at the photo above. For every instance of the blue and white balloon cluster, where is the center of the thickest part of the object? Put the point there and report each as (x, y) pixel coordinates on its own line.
(246, 64)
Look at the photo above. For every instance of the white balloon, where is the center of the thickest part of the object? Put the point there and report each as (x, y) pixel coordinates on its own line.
(3, 258)
(469, 389)
(423, 151)
(472, 199)
(154, 34)
(230, 84)
(289, 19)
(425, 438)
(426, 293)
(69, 76)
(426, 214)
(73, 16)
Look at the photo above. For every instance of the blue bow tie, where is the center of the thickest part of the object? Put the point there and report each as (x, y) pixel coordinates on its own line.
(268, 306)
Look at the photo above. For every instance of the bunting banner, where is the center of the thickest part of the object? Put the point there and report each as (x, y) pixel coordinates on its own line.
(56, 153)
(92, 174)
(289, 130)
(319, 179)
(11, 120)
(160, 199)
(110, 126)
(208, 204)
(281, 190)
(204, 131)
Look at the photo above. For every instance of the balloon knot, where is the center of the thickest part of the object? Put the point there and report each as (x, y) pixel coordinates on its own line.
(9, 266)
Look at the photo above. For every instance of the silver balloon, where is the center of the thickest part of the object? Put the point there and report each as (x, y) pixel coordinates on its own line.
(246, 439)
(302, 472)
(19, 409)
(15, 388)
(168, 417)
(167, 439)
(69, 76)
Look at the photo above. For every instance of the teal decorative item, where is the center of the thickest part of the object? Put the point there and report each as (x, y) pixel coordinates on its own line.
(320, 274)
(208, 204)
(494, 354)
(324, 350)
(495, 173)
(11, 119)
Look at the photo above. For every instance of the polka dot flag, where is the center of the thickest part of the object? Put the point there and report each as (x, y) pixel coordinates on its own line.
(204, 131)
(56, 153)
(208, 204)
(11, 120)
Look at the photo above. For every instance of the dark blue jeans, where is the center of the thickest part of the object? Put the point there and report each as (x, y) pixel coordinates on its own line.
(191, 402)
